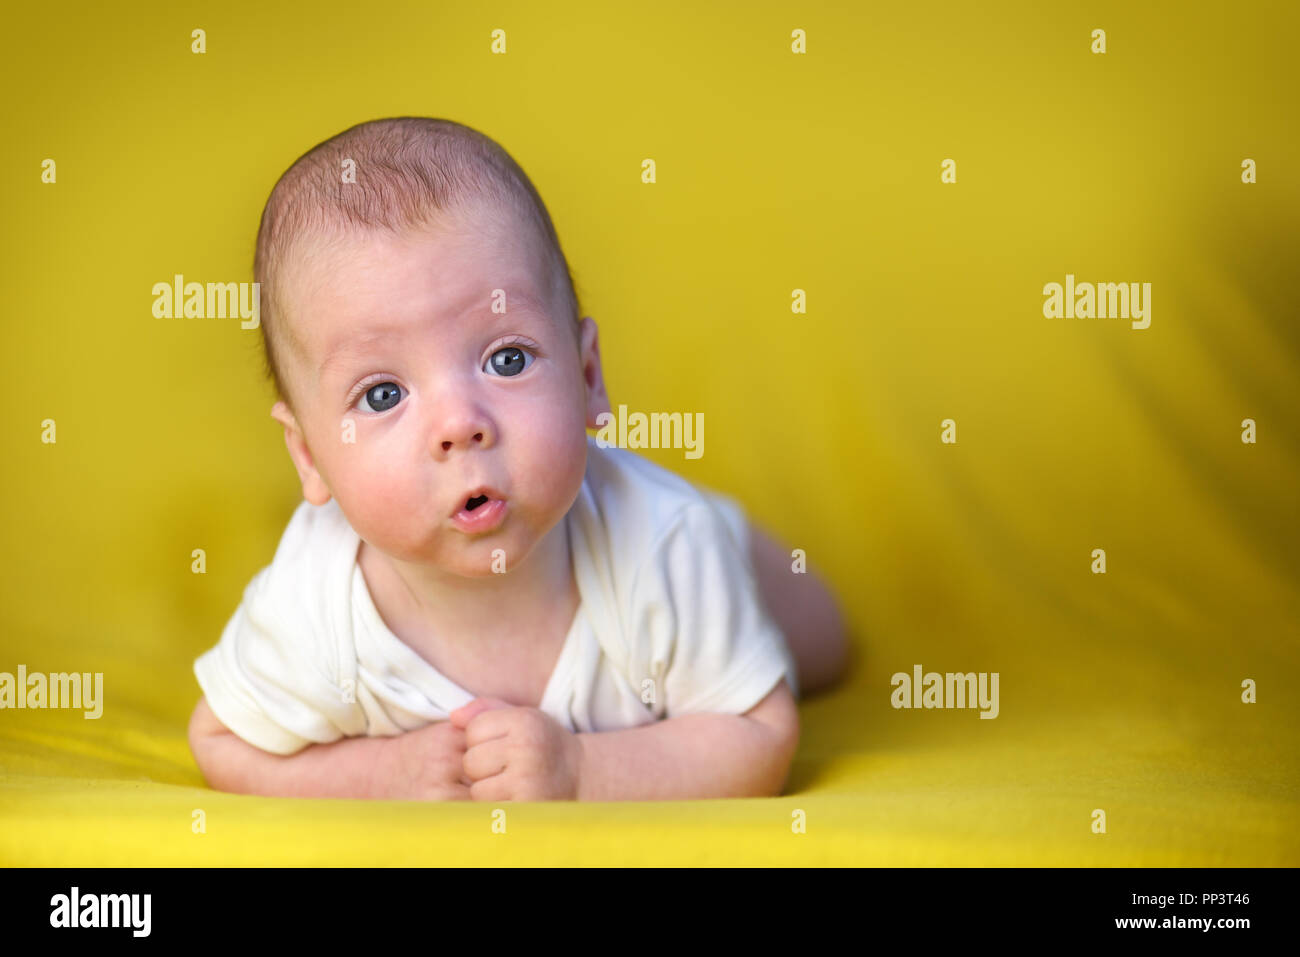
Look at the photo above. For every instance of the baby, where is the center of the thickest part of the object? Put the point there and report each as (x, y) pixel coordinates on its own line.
(476, 600)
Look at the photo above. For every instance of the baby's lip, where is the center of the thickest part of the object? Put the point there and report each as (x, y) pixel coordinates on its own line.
(481, 491)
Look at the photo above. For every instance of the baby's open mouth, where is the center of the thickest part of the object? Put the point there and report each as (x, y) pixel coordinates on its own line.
(482, 512)
(479, 505)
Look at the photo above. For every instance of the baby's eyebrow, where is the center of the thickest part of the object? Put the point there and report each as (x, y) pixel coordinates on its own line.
(525, 297)
(351, 346)
(526, 306)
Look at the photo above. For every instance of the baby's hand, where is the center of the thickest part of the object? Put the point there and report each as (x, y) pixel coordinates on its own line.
(427, 764)
(518, 754)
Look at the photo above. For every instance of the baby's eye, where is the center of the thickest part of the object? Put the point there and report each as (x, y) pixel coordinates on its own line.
(380, 397)
(508, 361)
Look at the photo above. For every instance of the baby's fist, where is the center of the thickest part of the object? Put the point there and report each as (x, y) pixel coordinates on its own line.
(426, 764)
(518, 754)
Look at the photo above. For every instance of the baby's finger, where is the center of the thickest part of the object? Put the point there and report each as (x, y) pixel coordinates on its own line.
(491, 724)
(486, 759)
(498, 787)
(462, 716)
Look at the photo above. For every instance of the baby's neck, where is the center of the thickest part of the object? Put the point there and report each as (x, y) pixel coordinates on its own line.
(442, 615)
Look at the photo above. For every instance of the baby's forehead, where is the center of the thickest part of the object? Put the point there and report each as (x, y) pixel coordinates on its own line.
(447, 255)
(359, 286)
(488, 241)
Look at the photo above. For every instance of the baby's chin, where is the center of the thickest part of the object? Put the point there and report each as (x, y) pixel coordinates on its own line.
(480, 556)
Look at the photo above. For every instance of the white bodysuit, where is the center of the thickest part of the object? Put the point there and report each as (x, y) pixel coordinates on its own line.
(670, 622)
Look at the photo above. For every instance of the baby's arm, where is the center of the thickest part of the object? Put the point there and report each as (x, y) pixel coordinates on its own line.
(419, 765)
(694, 755)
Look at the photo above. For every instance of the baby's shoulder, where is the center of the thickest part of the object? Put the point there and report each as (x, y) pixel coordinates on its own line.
(314, 539)
(638, 504)
(647, 534)
(313, 562)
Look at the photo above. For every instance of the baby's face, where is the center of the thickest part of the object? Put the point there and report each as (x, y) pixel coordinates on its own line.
(413, 394)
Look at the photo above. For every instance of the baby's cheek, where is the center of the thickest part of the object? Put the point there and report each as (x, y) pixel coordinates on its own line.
(563, 469)
(387, 504)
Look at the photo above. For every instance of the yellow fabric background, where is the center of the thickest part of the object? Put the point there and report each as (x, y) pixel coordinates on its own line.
(775, 171)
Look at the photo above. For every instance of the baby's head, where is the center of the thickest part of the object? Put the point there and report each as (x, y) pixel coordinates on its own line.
(424, 338)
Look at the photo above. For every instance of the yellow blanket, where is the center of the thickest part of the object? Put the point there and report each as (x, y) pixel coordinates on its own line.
(1103, 511)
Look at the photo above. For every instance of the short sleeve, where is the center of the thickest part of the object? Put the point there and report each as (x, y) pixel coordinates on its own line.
(701, 632)
(269, 684)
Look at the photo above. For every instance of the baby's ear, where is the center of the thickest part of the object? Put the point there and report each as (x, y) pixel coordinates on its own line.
(592, 373)
(314, 488)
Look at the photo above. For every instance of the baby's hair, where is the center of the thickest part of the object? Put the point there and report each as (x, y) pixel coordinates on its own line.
(410, 171)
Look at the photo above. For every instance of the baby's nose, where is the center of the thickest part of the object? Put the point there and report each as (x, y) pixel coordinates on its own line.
(447, 444)
(464, 430)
